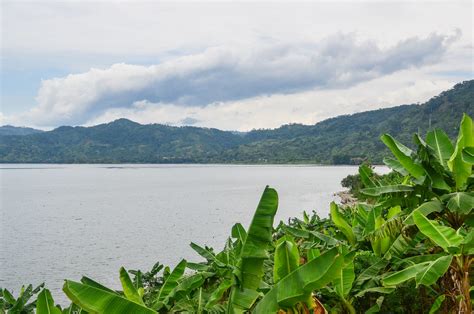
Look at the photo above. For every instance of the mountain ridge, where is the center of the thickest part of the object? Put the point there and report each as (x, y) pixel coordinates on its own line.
(345, 139)
(17, 130)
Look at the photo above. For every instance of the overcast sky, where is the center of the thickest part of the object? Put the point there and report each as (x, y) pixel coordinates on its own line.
(233, 66)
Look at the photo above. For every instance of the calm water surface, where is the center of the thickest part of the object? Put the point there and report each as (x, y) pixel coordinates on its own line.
(65, 221)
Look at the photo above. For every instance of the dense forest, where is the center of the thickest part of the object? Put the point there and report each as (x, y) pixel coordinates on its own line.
(405, 245)
(348, 139)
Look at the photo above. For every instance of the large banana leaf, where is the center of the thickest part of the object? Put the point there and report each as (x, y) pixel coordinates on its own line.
(129, 289)
(387, 189)
(396, 278)
(425, 273)
(403, 154)
(418, 259)
(254, 252)
(401, 245)
(343, 284)
(426, 209)
(460, 202)
(443, 236)
(287, 258)
(342, 224)
(461, 169)
(297, 286)
(435, 269)
(45, 303)
(441, 145)
(95, 300)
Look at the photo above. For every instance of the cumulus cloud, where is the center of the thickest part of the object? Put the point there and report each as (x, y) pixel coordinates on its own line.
(228, 74)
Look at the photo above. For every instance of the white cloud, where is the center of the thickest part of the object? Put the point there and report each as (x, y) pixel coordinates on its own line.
(226, 75)
(272, 63)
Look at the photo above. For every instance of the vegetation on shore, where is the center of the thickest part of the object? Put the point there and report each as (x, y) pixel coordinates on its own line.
(406, 246)
(349, 139)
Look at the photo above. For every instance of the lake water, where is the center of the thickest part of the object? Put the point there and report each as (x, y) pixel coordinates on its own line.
(64, 221)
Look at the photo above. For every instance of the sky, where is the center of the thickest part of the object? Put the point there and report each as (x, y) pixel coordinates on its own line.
(228, 65)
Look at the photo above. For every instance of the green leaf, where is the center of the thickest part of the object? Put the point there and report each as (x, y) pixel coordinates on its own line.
(73, 309)
(96, 300)
(395, 165)
(461, 169)
(197, 266)
(170, 283)
(45, 303)
(343, 284)
(366, 175)
(387, 189)
(297, 286)
(468, 155)
(437, 304)
(460, 202)
(184, 287)
(8, 296)
(208, 255)
(238, 232)
(384, 290)
(376, 308)
(371, 271)
(435, 269)
(468, 243)
(443, 236)
(327, 240)
(87, 281)
(426, 209)
(313, 253)
(341, 223)
(286, 258)
(403, 155)
(401, 245)
(441, 145)
(418, 259)
(396, 278)
(129, 289)
(254, 252)
(218, 293)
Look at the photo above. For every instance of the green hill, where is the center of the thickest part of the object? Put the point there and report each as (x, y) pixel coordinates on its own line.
(14, 130)
(341, 140)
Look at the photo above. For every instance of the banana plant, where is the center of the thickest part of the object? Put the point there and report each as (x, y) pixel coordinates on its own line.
(250, 268)
(21, 304)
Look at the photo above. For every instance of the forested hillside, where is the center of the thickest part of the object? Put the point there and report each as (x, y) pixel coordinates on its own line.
(342, 140)
(13, 130)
